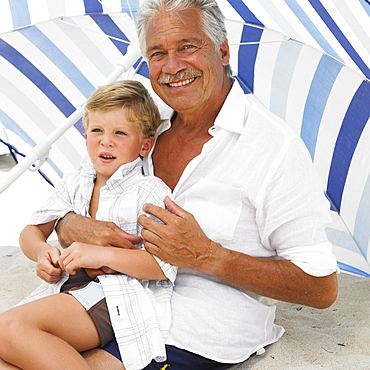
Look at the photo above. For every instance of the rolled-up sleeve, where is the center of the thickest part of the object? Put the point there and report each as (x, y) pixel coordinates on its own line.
(294, 213)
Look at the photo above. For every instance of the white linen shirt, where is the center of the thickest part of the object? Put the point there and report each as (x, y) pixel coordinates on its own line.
(253, 189)
(139, 310)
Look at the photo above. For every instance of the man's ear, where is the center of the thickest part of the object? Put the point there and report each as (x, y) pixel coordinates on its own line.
(147, 146)
(225, 53)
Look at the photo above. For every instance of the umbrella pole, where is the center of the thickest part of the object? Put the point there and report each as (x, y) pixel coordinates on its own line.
(40, 152)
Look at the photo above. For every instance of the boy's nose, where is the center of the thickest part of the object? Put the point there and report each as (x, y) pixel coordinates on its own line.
(106, 141)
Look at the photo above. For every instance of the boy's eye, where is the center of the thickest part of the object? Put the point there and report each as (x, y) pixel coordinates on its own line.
(120, 133)
(96, 130)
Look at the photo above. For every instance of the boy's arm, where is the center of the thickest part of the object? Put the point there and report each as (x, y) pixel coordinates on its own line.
(136, 263)
(33, 244)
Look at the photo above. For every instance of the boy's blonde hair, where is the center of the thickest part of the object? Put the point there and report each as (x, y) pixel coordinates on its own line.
(130, 95)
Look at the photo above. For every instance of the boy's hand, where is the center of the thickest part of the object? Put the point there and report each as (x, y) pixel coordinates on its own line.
(81, 255)
(47, 266)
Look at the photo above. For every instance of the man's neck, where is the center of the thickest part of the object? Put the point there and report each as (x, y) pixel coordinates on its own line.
(201, 120)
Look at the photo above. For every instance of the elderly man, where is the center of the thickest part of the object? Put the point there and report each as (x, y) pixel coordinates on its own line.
(251, 226)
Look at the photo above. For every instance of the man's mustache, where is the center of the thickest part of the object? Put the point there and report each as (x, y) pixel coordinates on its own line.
(183, 75)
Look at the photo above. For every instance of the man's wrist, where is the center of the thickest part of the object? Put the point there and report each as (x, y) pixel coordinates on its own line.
(61, 226)
(63, 218)
(212, 263)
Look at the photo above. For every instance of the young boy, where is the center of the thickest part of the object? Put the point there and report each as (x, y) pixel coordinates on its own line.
(120, 121)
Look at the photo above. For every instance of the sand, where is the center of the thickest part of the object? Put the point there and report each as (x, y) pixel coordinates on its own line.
(334, 338)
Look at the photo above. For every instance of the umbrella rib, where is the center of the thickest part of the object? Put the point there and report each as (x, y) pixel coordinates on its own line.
(259, 42)
(92, 31)
(104, 6)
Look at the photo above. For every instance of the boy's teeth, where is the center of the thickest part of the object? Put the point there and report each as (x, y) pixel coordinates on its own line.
(182, 83)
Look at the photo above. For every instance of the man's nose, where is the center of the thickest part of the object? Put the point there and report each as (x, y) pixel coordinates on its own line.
(173, 64)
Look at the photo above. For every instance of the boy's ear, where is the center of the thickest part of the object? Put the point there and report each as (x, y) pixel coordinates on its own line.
(147, 146)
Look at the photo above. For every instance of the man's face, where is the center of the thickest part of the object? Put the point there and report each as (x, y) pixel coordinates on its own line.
(185, 69)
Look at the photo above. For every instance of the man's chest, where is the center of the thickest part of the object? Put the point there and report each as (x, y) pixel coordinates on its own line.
(170, 158)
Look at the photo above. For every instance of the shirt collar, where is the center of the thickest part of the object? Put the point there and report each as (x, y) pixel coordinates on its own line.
(232, 116)
(89, 170)
(234, 112)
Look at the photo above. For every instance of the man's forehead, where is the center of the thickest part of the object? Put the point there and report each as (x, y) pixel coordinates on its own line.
(179, 42)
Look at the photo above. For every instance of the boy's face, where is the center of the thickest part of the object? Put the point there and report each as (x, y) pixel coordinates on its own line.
(112, 140)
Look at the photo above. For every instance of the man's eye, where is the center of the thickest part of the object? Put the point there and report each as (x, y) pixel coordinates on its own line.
(156, 55)
(187, 48)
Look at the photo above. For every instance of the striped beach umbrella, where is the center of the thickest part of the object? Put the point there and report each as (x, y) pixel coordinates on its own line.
(306, 60)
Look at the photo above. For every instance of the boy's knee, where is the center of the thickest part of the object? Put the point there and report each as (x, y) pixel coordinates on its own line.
(11, 326)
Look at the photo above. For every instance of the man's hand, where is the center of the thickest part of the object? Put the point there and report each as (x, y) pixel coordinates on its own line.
(93, 273)
(74, 227)
(47, 266)
(179, 241)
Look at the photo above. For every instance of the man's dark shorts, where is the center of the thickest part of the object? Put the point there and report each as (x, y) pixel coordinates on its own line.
(177, 359)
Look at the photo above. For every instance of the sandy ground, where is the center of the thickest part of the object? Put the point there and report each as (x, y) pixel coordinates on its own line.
(335, 338)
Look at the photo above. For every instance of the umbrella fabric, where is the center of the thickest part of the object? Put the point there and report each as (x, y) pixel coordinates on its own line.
(306, 60)
(48, 70)
(317, 79)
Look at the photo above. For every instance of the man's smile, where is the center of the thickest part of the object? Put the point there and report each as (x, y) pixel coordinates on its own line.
(181, 83)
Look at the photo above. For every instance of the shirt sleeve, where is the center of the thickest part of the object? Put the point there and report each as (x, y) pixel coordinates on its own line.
(56, 206)
(154, 191)
(294, 213)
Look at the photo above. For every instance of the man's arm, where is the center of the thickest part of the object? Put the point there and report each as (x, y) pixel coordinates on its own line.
(73, 227)
(181, 242)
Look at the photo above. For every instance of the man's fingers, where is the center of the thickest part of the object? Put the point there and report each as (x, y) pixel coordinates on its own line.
(163, 214)
(174, 207)
(133, 239)
(93, 273)
(149, 231)
(152, 248)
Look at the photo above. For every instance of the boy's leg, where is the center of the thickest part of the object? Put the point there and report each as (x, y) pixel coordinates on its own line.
(6, 366)
(48, 334)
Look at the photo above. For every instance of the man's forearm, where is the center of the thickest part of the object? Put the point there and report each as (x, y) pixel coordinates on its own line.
(61, 227)
(277, 279)
(76, 228)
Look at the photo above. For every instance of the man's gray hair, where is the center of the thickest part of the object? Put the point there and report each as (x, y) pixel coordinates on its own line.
(213, 20)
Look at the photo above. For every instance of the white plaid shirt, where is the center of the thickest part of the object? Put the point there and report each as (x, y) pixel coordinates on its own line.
(140, 310)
